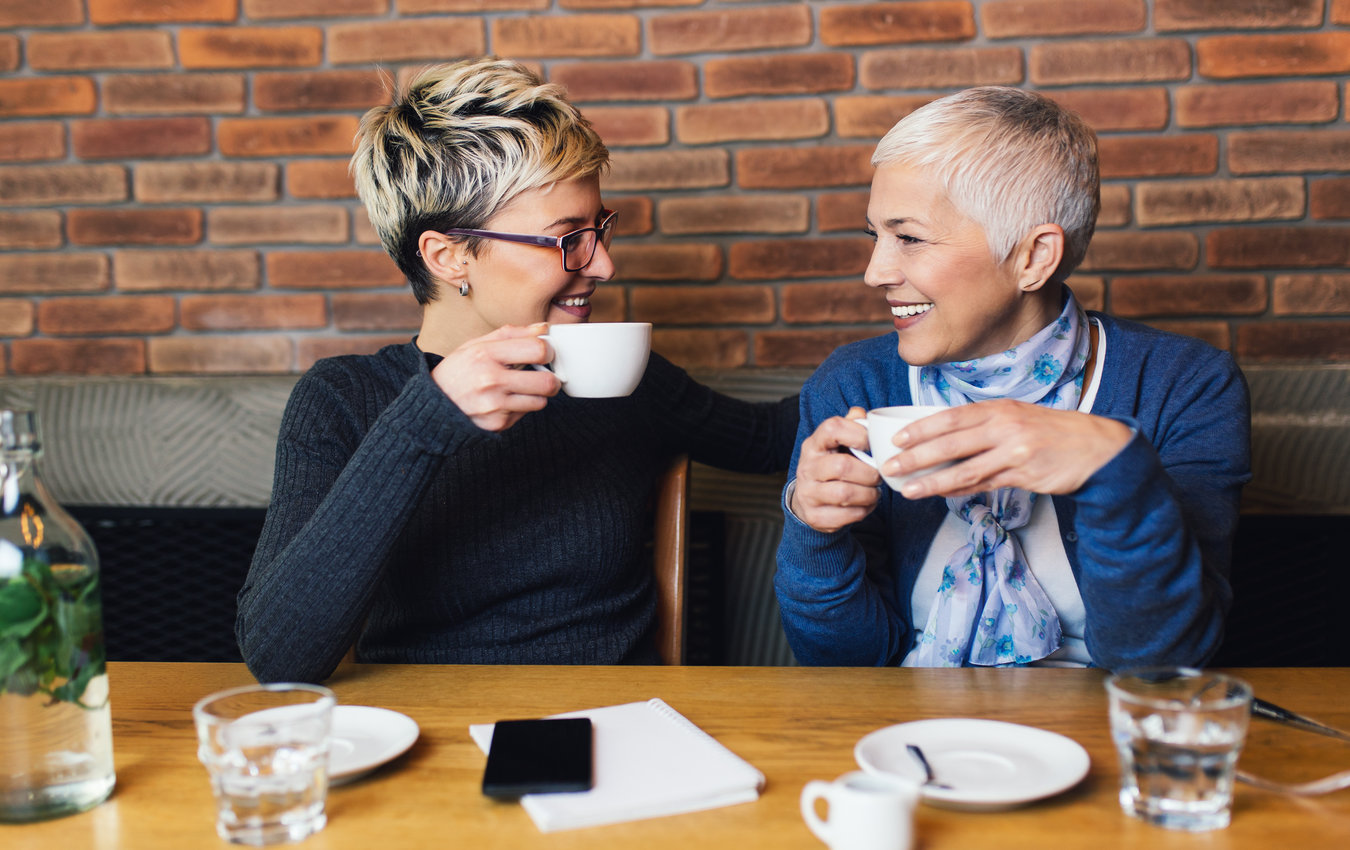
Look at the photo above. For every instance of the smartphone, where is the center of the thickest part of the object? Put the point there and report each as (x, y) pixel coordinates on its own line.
(538, 757)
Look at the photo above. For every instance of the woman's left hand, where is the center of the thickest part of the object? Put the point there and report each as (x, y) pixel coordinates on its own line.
(1005, 443)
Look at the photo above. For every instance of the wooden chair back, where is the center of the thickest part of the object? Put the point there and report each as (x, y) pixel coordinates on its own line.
(670, 558)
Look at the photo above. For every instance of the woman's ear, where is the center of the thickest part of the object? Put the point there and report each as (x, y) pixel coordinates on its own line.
(446, 260)
(1039, 256)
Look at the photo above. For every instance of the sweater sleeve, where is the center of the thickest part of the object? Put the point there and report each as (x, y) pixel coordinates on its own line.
(341, 495)
(1153, 528)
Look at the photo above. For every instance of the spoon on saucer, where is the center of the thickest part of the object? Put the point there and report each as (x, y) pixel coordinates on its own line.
(930, 780)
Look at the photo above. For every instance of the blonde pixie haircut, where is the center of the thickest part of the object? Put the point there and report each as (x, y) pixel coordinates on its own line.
(459, 144)
(1010, 160)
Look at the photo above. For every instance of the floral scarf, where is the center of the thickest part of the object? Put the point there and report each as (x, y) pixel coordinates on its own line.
(989, 609)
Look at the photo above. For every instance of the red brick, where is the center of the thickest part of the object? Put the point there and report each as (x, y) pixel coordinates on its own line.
(1124, 61)
(777, 213)
(1280, 55)
(695, 169)
(752, 120)
(706, 305)
(113, 314)
(302, 224)
(661, 79)
(805, 348)
(1157, 156)
(940, 68)
(1292, 341)
(250, 47)
(735, 29)
(1042, 18)
(608, 304)
(360, 311)
(318, 91)
(77, 357)
(1089, 290)
(871, 116)
(205, 182)
(803, 73)
(1115, 210)
(30, 230)
(1278, 247)
(32, 141)
(363, 232)
(49, 13)
(1216, 334)
(332, 270)
(46, 273)
(1340, 11)
(47, 96)
(287, 136)
(126, 138)
(16, 317)
(81, 51)
(635, 215)
(34, 185)
(276, 9)
(164, 11)
(405, 40)
(698, 349)
(134, 226)
(540, 36)
(1235, 14)
(1312, 294)
(780, 259)
(192, 270)
(1116, 250)
(253, 312)
(1118, 109)
(319, 179)
(896, 23)
(1301, 102)
(1288, 151)
(313, 349)
(1194, 201)
(680, 262)
(803, 168)
(1181, 295)
(603, 4)
(836, 211)
(838, 303)
(219, 355)
(9, 52)
(143, 94)
(630, 126)
(1330, 198)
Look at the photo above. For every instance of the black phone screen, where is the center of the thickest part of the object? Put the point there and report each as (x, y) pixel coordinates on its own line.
(537, 757)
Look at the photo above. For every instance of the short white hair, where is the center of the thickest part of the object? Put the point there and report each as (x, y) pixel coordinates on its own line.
(1009, 160)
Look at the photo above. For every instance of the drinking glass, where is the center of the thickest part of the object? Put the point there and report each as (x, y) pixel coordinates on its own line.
(1178, 732)
(266, 749)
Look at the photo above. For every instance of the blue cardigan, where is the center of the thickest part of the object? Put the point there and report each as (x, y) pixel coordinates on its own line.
(1148, 537)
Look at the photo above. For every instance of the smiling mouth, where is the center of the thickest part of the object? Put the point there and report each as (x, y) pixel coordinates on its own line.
(903, 311)
(575, 301)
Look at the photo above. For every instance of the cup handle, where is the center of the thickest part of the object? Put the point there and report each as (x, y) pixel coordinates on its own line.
(865, 458)
(814, 790)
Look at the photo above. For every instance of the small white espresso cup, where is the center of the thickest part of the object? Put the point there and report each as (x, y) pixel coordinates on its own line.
(882, 425)
(602, 360)
(865, 812)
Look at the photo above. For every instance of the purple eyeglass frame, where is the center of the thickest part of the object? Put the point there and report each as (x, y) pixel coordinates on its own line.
(604, 232)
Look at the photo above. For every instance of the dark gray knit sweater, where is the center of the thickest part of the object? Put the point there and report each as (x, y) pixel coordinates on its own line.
(394, 518)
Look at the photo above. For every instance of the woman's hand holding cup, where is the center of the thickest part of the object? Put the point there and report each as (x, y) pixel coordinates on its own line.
(834, 489)
(481, 376)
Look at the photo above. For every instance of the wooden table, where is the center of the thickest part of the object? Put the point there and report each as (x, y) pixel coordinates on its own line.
(793, 724)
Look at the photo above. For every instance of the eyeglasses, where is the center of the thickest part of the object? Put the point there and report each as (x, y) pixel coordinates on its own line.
(577, 247)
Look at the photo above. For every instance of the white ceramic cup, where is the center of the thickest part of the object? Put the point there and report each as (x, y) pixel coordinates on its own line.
(865, 812)
(882, 425)
(601, 360)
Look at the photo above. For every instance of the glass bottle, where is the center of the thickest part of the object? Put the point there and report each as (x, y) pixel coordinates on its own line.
(55, 727)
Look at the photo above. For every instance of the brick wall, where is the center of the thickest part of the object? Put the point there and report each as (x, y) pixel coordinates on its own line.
(174, 197)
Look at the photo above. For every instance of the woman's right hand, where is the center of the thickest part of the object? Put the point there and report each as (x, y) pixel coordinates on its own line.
(833, 488)
(485, 379)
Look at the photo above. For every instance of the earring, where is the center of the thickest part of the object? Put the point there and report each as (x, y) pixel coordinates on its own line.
(464, 284)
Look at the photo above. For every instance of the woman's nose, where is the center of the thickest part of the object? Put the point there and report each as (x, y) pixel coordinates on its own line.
(601, 266)
(881, 269)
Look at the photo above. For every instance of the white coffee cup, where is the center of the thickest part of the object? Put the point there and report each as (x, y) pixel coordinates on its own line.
(602, 360)
(866, 812)
(882, 425)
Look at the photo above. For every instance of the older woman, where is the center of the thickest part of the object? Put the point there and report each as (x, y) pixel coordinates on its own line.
(436, 501)
(1089, 514)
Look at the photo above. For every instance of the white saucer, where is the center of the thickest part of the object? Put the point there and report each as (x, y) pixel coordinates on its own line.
(364, 737)
(990, 764)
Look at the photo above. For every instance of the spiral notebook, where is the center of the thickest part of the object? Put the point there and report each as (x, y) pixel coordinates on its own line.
(650, 761)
